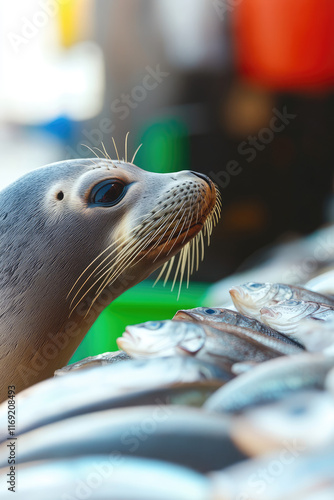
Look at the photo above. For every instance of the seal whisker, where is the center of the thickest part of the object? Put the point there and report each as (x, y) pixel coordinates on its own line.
(113, 140)
(161, 272)
(126, 146)
(133, 231)
(105, 152)
(172, 260)
(88, 290)
(183, 266)
(135, 153)
(177, 236)
(113, 274)
(94, 260)
(177, 269)
(122, 255)
(171, 235)
(192, 255)
(197, 252)
(92, 150)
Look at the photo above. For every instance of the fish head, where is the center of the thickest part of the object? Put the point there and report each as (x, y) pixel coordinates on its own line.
(199, 314)
(286, 315)
(250, 297)
(162, 338)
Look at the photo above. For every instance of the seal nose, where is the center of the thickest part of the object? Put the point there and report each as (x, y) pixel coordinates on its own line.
(203, 177)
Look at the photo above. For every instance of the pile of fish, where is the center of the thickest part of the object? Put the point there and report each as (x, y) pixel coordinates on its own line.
(215, 404)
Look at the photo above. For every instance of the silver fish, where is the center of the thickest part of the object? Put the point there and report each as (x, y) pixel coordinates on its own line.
(284, 263)
(229, 321)
(251, 297)
(106, 358)
(105, 477)
(286, 316)
(322, 283)
(271, 381)
(304, 416)
(187, 436)
(316, 336)
(329, 384)
(287, 474)
(101, 388)
(224, 348)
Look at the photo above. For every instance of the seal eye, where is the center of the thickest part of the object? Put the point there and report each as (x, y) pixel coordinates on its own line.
(60, 196)
(107, 193)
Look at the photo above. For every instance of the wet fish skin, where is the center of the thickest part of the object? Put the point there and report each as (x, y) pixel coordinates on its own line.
(316, 336)
(223, 348)
(103, 359)
(220, 317)
(302, 476)
(112, 478)
(271, 381)
(322, 283)
(250, 297)
(182, 435)
(305, 416)
(104, 387)
(287, 315)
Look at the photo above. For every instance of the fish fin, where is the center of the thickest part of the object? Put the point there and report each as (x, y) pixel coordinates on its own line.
(192, 346)
(242, 367)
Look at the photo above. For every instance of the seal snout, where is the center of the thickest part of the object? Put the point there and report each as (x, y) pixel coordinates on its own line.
(203, 177)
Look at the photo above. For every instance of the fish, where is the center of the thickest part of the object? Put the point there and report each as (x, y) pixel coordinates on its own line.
(85, 391)
(166, 338)
(316, 336)
(105, 477)
(223, 319)
(251, 297)
(287, 315)
(284, 263)
(182, 435)
(271, 381)
(306, 416)
(103, 359)
(287, 474)
(329, 383)
(322, 283)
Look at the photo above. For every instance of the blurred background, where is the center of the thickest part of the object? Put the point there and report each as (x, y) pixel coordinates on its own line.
(238, 89)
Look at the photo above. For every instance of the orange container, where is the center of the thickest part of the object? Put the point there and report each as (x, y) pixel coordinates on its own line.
(285, 44)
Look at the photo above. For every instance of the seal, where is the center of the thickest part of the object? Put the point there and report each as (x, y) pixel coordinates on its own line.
(74, 236)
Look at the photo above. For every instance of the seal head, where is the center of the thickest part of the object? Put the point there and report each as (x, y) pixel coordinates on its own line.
(74, 236)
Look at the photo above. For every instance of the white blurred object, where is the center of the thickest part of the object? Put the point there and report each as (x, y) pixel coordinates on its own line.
(41, 80)
(23, 151)
(323, 283)
(191, 31)
(316, 336)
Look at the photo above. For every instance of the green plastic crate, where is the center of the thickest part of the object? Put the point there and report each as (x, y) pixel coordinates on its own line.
(139, 304)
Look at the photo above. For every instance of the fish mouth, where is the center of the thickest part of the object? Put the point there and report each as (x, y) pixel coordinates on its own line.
(269, 313)
(238, 294)
(132, 344)
(184, 316)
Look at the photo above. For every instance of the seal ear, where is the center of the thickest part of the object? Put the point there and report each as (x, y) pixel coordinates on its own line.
(193, 344)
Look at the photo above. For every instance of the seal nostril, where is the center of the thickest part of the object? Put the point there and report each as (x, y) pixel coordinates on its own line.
(203, 177)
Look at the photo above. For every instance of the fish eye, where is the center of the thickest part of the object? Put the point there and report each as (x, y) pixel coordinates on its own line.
(154, 325)
(291, 302)
(107, 193)
(296, 411)
(254, 286)
(210, 311)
